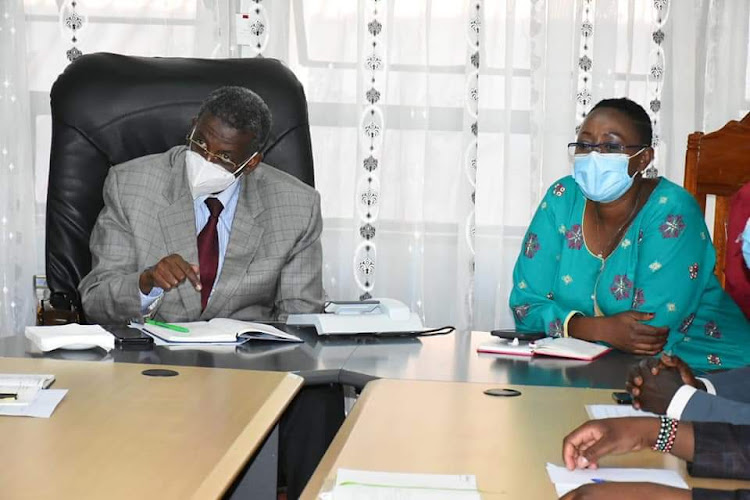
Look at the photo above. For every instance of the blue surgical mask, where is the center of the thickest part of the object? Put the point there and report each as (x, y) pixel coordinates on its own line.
(603, 177)
(746, 243)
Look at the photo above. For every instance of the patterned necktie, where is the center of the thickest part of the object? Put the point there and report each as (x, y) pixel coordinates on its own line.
(208, 250)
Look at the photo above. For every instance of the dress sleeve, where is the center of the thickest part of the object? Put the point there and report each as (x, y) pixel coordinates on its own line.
(675, 261)
(534, 308)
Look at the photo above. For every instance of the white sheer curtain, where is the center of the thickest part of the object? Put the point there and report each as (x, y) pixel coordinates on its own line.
(17, 238)
(447, 214)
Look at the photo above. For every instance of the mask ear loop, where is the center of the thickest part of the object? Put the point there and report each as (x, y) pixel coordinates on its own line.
(633, 156)
(237, 172)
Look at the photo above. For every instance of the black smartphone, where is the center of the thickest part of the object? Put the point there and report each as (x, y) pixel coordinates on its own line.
(622, 398)
(512, 334)
(126, 336)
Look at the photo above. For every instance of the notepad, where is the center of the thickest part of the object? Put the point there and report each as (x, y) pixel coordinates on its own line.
(566, 480)
(615, 411)
(371, 485)
(70, 336)
(24, 386)
(562, 347)
(219, 331)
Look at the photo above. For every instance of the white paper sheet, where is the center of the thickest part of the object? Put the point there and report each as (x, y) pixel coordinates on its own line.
(615, 411)
(566, 480)
(371, 485)
(42, 407)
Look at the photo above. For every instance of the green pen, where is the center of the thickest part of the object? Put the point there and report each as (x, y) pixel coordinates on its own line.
(170, 326)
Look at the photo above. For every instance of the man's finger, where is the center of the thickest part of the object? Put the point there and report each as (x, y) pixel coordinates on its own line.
(163, 278)
(190, 273)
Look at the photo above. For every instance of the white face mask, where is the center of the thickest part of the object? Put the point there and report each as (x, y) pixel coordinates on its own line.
(208, 178)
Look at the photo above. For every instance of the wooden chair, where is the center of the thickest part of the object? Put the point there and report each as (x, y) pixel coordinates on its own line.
(718, 163)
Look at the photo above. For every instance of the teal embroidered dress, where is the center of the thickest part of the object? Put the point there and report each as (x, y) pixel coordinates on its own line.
(663, 265)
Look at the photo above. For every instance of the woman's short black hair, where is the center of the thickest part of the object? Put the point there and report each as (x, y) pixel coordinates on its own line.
(634, 111)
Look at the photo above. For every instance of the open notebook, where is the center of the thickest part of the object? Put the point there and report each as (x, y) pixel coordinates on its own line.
(219, 331)
(563, 347)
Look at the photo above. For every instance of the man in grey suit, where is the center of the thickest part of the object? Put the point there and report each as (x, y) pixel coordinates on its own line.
(144, 252)
(669, 387)
(207, 230)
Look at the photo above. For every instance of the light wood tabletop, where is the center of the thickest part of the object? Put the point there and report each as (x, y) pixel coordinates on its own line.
(120, 434)
(453, 428)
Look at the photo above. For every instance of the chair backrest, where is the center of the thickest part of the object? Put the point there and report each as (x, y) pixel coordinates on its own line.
(110, 108)
(718, 163)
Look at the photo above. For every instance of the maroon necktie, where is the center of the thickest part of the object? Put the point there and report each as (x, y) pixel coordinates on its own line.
(208, 250)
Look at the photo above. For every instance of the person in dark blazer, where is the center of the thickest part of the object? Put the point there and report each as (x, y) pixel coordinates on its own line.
(713, 450)
(667, 386)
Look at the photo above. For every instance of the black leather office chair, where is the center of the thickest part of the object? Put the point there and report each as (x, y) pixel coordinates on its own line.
(110, 108)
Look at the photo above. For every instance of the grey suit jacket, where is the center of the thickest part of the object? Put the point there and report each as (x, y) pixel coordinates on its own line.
(273, 261)
(731, 403)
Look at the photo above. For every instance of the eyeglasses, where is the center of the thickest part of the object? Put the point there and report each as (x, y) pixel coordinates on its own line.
(583, 148)
(221, 159)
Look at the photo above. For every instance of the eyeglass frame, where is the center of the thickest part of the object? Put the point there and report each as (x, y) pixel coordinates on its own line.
(221, 161)
(598, 147)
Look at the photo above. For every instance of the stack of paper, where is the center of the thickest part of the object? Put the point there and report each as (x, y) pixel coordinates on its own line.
(368, 485)
(566, 480)
(70, 336)
(615, 411)
(25, 394)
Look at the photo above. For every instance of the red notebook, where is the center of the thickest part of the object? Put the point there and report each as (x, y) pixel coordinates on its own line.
(563, 347)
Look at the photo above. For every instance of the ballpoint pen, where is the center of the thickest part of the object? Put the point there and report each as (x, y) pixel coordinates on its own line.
(169, 326)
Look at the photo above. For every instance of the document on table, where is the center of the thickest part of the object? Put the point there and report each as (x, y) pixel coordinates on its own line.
(566, 480)
(615, 411)
(42, 406)
(371, 485)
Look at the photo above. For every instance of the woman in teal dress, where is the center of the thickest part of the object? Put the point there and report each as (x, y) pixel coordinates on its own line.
(613, 257)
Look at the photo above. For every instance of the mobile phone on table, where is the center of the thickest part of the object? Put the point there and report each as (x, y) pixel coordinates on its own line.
(129, 337)
(622, 398)
(512, 334)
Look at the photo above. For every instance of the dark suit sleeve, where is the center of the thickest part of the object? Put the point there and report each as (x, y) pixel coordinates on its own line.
(704, 407)
(732, 384)
(704, 494)
(722, 451)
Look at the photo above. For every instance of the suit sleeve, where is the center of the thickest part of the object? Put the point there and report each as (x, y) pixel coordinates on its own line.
(704, 407)
(110, 292)
(300, 288)
(704, 494)
(722, 451)
(732, 384)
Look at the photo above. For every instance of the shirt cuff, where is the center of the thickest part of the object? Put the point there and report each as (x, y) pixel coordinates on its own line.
(680, 401)
(147, 301)
(567, 320)
(710, 388)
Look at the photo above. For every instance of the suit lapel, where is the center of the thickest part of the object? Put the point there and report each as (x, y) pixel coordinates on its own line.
(177, 222)
(244, 241)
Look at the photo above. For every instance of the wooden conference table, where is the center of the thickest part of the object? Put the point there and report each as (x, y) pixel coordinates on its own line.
(121, 434)
(453, 428)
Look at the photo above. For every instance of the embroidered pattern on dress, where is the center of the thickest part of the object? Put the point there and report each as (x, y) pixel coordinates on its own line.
(575, 237)
(521, 311)
(621, 287)
(672, 227)
(531, 247)
(638, 299)
(712, 330)
(685, 325)
(555, 328)
(693, 270)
